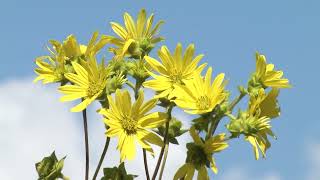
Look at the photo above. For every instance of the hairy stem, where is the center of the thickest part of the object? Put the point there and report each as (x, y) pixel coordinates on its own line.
(106, 145)
(85, 127)
(165, 139)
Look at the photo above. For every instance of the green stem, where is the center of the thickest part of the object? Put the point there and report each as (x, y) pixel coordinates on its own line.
(105, 149)
(166, 150)
(136, 94)
(165, 141)
(85, 127)
(215, 120)
(235, 102)
(146, 163)
(106, 145)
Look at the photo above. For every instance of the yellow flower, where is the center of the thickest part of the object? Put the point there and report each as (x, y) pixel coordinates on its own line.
(199, 96)
(73, 49)
(265, 104)
(51, 68)
(136, 38)
(88, 83)
(130, 123)
(266, 74)
(200, 155)
(255, 123)
(175, 69)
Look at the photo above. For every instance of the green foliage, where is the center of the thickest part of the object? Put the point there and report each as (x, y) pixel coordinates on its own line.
(50, 168)
(117, 173)
(175, 130)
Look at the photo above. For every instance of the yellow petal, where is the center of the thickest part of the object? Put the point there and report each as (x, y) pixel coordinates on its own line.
(156, 65)
(128, 21)
(150, 137)
(119, 30)
(141, 20)
(153, 120)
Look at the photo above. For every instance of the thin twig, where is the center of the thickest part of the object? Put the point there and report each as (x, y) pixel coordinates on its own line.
(85, 127)
(145, 163)
(165, 138)
(106, 145)
(166, 150)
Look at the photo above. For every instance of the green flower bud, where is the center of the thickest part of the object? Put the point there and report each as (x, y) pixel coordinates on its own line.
(175, 130)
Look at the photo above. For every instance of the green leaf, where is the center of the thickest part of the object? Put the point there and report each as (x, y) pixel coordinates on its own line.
(117, 173)
(50, 168)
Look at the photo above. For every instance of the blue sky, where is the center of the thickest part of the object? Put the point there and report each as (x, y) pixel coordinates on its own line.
(227, 32)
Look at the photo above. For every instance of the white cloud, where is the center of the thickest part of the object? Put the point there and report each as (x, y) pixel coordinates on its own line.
(33, 123)
(313, 155)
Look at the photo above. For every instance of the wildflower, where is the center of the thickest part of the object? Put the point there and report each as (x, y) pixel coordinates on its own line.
(136, 38)
(199, 96)
(130, 122)
(175, 69)
(89, 83)
(255, 123)
(199, 156)
(51, 68)
(73, 49)
(265, 75)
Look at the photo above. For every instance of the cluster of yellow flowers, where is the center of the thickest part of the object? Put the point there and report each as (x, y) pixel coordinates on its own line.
(177, 79)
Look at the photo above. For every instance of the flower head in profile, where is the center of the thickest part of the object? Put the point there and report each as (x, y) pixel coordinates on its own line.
(175, 69)
(254, 124)
(51, 68)
(200, 95)
(72, 49)
(265, 75)
(130, 123)
(199, 156)
(88, 83)
(136, 38)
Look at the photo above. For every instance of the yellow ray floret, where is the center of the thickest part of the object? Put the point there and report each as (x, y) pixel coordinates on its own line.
(89, 81)
(73, 49)
(202, 155)
(174, 69)
(51, 68)
(266, 74)
(199, 96)
(130, 123)
(135, 35)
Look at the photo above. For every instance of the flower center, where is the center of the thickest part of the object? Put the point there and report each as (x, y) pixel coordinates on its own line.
(203, 102)
(176, 76)
(129, 124)
(93, 88)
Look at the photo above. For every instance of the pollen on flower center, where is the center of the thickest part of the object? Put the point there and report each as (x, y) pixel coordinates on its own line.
(129, 124)
(203, 102)
(176, 76)
(93, 88)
